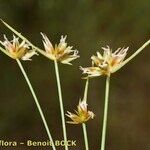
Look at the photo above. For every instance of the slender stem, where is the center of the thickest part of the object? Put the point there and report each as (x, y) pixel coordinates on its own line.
(132, 56)
(105, 114)
(37, 103)
(86, 90)
(61, 103)
(83, 124)
(85, 136)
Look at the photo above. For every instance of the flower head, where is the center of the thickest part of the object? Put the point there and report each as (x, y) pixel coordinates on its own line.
(61, 52)
(17, 50)
(105, 64)
(81, 115)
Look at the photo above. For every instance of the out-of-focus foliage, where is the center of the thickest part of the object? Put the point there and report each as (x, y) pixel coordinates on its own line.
(89, 24)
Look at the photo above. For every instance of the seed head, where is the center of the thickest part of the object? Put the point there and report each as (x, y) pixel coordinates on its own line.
(17, 50)
(105, 64)
(81, 115)
(61, 52)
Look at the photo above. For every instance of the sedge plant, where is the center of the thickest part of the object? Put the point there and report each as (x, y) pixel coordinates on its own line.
(21, 51)
(105, 65)
(82, 115)
(58, 53)
(102, 65)
(64, 54)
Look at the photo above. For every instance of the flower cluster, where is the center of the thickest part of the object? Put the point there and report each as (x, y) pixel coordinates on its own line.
(61, 52)
(105, 64)
(82, 114)
(17, 50)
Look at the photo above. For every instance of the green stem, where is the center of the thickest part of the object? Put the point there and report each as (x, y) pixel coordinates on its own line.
(37, 103)
(86, 90)
(105, 114)
(61, 103)
(83, 124)
(132, 56)
(85, 136)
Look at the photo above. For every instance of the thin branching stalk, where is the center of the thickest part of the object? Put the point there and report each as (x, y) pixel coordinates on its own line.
(133, 55)
(37, 103)
(83, 124)
(136, 53)
(105, 114)
(61, 103)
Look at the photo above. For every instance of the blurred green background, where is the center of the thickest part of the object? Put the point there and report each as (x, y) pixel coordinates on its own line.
(89, 24)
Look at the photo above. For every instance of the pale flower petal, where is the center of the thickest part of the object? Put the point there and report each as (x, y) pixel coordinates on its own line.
(62, 45)
(29, 54)
(47, 44)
